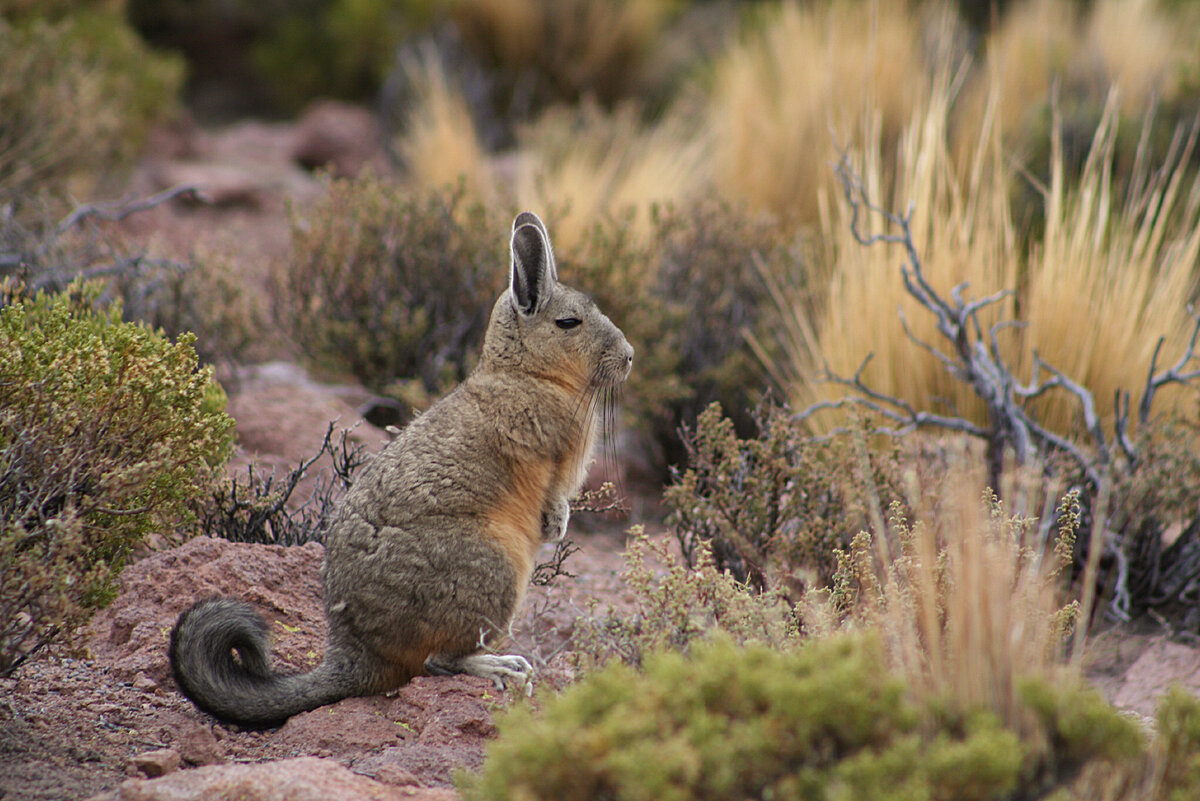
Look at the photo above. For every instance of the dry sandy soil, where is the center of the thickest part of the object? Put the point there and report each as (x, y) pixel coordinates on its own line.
(108, 723)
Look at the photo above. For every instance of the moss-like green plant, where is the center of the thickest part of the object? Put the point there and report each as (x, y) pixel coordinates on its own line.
(1179, 745)
(108, 432)
(821, 722)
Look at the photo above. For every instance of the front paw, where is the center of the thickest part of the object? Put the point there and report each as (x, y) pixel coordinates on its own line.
(554, 522)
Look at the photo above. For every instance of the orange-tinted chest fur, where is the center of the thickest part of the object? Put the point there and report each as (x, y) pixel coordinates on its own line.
(515, 524)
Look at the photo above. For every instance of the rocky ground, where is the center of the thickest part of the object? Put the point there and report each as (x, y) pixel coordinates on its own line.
(110, 723)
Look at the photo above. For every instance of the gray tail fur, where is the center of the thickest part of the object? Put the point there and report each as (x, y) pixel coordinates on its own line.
(220, 657)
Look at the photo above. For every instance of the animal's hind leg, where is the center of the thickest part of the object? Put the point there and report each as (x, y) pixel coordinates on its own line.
(501, 669)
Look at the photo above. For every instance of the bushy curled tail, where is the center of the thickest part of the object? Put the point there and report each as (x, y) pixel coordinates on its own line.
(220, 657)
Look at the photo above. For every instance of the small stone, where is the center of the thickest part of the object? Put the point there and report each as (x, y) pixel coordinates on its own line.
(396, 776)
(159, 762)
(144, 683)
(199, 746)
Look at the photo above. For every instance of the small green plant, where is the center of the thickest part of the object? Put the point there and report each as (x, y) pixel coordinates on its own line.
(108, 432)
(334, 48)
(774, 507)
(676, 604)
(1178, 745)
(388, 285)
(826, 720)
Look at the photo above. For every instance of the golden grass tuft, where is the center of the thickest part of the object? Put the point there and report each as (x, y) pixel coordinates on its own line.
(968, 597)
(592, 166)
(564, 50)
(1041, 46)
(1112, 275)
(801, 77)
(439, 145)
(1109, 278)
(961, 228)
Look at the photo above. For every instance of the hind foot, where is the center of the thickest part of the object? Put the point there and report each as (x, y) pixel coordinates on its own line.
(501, 669)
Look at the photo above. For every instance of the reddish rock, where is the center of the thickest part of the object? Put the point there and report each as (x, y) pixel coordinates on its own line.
(304, 779)
(159, 762)
(132, 634)
(339, 136)
(1162, 664)
(198, 745)
(349, 726)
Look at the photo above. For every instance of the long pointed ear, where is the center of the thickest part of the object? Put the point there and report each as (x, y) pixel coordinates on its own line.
(529, 218)
(533, 276)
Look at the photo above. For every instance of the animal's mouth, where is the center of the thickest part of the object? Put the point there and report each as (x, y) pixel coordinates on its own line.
(614, 371)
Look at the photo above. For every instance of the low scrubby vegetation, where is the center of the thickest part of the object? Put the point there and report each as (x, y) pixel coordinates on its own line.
(108, 433)
(826, 720)
(91, 62)
(389, 286)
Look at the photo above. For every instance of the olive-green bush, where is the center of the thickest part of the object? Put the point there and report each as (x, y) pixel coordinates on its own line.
(108, 433)
(673, 603)
(776, 506)
(79, 93)
(827, 720)
(388, 285)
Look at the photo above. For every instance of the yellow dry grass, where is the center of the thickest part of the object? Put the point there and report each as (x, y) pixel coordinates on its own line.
(969, 598)
(1112, 275)
(439, 145)
(806, 75)
(1109, 277)
(1044, 46)
(595, 167)
(964, 234)
(585, 46)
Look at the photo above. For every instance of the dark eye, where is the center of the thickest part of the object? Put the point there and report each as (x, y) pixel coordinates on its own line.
(567, 323)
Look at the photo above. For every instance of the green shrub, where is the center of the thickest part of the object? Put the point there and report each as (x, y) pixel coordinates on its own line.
(775, 507)
(334, 48)
(823, 721)
(1179, 745)
(673, 604)
(108, 432)
(79, 95)
(387, 285)
(543, 52)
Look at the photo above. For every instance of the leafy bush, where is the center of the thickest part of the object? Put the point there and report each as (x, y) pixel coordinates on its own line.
(775, 507)
(388, 285)
(108, 432)
(334, 48)
(827, 720)
(676, 603)
(79, 94)
(204, 294)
